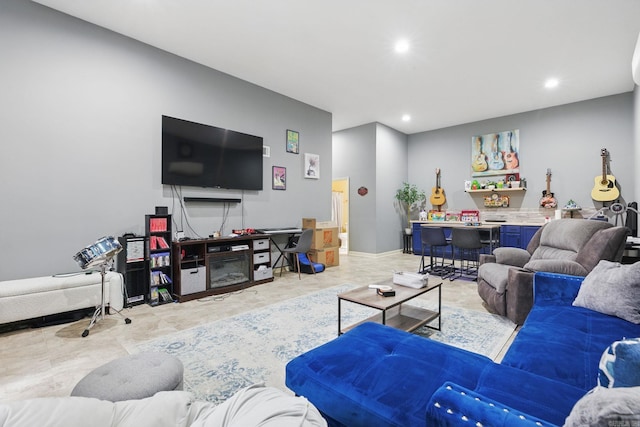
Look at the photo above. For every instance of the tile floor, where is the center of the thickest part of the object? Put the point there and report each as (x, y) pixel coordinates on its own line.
(49, 361)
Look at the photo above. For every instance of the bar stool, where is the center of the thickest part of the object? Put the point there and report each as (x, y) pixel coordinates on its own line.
(466, 241)
(434, 239)
(490, 239)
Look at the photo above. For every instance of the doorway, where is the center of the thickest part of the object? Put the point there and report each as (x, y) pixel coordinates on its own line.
(340, 211)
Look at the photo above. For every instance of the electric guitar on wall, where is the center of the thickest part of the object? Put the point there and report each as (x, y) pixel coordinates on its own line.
(547, 200)
(437, 193)
(605, 189)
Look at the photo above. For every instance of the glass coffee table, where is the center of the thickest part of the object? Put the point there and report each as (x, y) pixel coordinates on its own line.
(393, 310)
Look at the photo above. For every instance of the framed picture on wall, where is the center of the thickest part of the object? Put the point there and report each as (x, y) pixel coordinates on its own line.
(278, 178)
(293, 141)
(311, 166)
(495, 153)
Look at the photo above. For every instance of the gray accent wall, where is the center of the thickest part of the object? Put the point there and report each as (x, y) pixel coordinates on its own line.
(567, 139)
(372, 156)
(354, 155)
(391, 171)
(80, 135)
(636, 155)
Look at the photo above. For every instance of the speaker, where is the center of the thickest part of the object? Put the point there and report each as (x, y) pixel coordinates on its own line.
(162, 210)
(632, 219)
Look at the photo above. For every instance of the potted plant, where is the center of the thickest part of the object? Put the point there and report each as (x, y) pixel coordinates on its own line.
(408, 195)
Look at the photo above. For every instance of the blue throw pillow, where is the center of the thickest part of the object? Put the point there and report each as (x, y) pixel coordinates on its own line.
(620, 364)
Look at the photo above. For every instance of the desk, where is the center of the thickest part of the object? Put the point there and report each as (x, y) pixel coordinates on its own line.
(291, 233)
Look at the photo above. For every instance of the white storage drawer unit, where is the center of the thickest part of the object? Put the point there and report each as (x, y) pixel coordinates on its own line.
(261, 258)
(261, 274)
(193, 280)
(261, 244)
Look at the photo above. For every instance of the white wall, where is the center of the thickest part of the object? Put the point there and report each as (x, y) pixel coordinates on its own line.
(80, 131)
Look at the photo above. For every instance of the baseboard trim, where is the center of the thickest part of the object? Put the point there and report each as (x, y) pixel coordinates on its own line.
(370, 255)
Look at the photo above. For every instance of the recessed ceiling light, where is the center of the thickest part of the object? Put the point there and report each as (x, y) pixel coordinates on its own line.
(406, 118)
(551, 83)
(402, 46)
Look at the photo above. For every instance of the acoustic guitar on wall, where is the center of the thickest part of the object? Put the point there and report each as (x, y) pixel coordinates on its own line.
(605, 189)
(479, 162)
(510, 157)
(495, 157)
(437, 193)
(548, 200)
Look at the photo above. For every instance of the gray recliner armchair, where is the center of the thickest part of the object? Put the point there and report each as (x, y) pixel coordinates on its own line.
(565, 246)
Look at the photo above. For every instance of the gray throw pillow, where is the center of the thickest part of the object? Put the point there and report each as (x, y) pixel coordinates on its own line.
(512, 256)
(606, 407)
(612, 288)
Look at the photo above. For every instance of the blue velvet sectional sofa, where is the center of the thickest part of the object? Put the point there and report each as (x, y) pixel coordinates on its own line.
(375, 375)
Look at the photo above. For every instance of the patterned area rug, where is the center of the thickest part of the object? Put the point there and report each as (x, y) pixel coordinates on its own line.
(221, 357)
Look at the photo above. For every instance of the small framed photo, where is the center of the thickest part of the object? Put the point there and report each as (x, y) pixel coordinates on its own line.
(293, 141)
(279, 178)
(311, 166)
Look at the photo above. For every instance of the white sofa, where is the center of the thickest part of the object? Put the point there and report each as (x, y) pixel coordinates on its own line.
(25, 299)
(252, 406)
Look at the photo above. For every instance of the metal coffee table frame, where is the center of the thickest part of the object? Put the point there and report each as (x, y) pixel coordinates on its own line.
(393, 312)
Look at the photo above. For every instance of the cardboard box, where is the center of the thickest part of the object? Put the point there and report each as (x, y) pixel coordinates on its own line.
(325, 238)
(308, 223)
(325, 233)
(313, 223)
(328, 256)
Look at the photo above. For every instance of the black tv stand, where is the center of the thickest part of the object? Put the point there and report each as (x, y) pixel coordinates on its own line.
(204, 267)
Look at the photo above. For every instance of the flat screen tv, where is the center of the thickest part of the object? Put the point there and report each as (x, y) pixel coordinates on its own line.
(199, 155)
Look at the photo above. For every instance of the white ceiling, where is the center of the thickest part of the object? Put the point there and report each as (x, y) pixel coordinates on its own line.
(469, 59)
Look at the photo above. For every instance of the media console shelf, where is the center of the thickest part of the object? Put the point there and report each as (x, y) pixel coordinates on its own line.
(203, 267)
(210, 200)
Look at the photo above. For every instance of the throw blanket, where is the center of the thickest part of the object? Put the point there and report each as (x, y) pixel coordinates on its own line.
(252, 406)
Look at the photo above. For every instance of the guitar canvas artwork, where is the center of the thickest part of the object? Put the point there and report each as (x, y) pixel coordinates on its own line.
(605, 189)
(495, 153)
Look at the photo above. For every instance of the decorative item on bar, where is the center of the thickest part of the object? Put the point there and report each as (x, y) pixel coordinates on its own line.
(411, 280)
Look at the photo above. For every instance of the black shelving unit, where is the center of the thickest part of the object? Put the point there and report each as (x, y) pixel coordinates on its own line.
(131, 262)
(159, 259)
